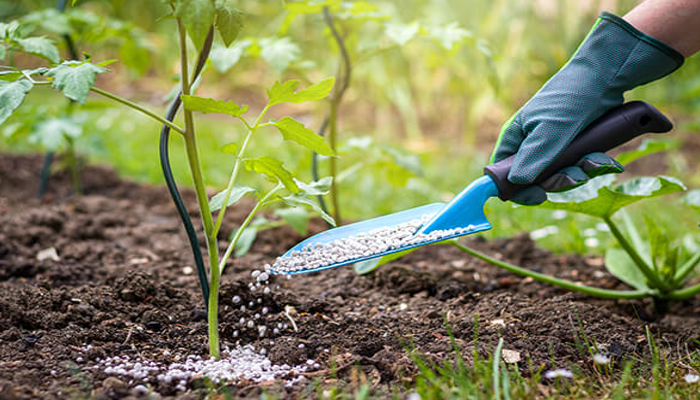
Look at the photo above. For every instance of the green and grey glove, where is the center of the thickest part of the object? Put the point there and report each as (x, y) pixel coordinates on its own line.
(613, 58)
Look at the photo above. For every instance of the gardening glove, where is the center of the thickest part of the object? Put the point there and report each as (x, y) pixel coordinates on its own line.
(613, 58)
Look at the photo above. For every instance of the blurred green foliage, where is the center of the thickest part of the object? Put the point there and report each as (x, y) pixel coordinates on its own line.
(432, 82)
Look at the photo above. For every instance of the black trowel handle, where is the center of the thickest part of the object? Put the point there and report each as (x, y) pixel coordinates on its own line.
(617, 126)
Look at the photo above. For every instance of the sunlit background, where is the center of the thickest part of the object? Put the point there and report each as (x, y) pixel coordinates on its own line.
(431, 83)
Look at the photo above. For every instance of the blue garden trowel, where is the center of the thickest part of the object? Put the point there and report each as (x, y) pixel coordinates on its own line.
(464, 215)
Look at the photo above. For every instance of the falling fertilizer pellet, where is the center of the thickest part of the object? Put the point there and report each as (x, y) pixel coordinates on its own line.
(365, 244)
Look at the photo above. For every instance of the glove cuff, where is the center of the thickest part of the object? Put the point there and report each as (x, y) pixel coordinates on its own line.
(656, 43)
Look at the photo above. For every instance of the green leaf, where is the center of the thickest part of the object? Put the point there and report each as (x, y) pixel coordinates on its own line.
(297, 217)
(2, 52)
(401, 33)
(300, 199)
(237, 193)
(648, 146)
(639, 244)
(12, 95)
(229, 20)
(245, 241)
(297, 132)
(279, 52)
(134, 53)
(53, 132)
(600, 198)
(296, 8)
(230, 148)
(450, 36)
(74, 79)
(207, 105)
(198, 16)
(224, 58)
(621, 266)
(9, 30)
(406, 160)
(395, 174)
(367, 266)
(273, 169)
(316, 188)
(285, 92)
(692, 199)
(40, 46)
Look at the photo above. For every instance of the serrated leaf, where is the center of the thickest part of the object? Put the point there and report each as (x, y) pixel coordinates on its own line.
(40, 46)
(230, 148)
(12, 95)
(53, 132)
(279, 52)
(401, 33)
(299, 199)
(245, 241)
(74, 79)
(367, 266)
(237, 193)
(8, 31)
(648, 146)
(224, 58)
(692, 199)
(297, 132)
(621, 266)
(273, 169)
(198, 16)
(207, 105)
(297, 217)
(316, 188)
(229, 20)
(600, 198)
(450, 36)
(49, 19)
(285, 92)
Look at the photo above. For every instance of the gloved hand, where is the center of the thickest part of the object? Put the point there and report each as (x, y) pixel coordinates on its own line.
(613, 58)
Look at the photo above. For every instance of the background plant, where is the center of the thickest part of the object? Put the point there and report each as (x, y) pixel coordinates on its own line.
(658, 267)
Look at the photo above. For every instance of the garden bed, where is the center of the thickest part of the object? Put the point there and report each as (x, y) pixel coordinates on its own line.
(121, 282)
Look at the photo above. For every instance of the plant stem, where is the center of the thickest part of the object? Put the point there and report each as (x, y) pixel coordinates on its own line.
(139, 108)
(202, 202)
(215, 274)
(232, 180)
(129, 104)
(332, 138)
(563, 283)
(333, 114)
(237, 164)
(686, 268)
(634, 255)
(213, 311)
(683, 293)
(245, 224)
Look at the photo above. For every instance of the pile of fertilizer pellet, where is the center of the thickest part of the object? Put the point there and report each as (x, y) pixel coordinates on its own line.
(363, 245)
(238, 365)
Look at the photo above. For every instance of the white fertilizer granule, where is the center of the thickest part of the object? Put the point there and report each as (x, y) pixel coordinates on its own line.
(240, 364)
(362, 245)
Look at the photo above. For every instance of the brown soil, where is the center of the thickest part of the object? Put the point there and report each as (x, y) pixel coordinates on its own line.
(119, 288)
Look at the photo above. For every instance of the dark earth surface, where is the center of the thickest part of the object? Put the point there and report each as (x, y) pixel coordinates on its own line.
(121, 285)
